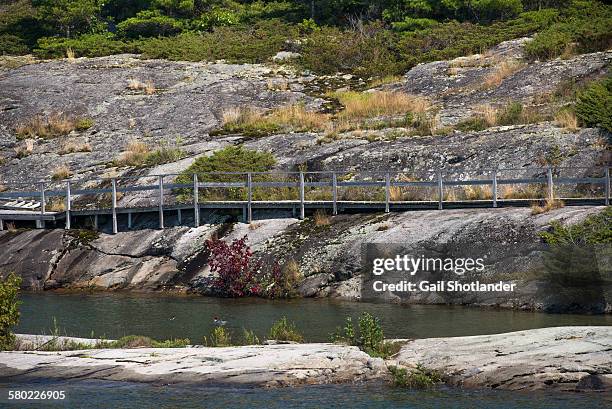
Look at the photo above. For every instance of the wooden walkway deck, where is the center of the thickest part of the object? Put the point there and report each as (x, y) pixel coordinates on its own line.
(385, 181)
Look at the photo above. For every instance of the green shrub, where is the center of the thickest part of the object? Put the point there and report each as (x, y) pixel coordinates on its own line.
(332, 50)
(230, 159)
(477, 123)
(594, 104)
(219, 337)
(9, 310)
(216, 18)
(149, 24)
(371, 332)
(418, 378)
(12, 45)
(89, 45)
(249, 337)
(369, 338)
(511, 114)
(583, 27)
(595, 229)
(414, 24)
(548, 44)
(239, 44)
(283, 330)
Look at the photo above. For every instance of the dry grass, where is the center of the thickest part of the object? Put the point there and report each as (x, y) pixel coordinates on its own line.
(61, 172)
(148, 86)
(10, 226)
(254, 226)
(321, 218)
(135, 154)
(56, 205)
(503, 70)
(289, 118)
(488, 114)
(522, 192)
(73, 147)
(25, 149)
(549, 204)
(277, 84)
(363, 105)
(389, 79)
(567, 120)
(477, 192)
(3, 188)
(426, 125)
(54, 125)
(70, 55)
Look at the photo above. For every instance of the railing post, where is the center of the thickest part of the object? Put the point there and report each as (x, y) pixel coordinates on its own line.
(41, 222)
(335, 192)
(494, 188)
(114, 204)
(1, 224)
(179, 216)
(551, 189)
(68, 206)
(249, 198)
(440, 190)
(387, 191)
(302, 212)
(161, 202)
(607, 190)
(129, 220)
(196, 199)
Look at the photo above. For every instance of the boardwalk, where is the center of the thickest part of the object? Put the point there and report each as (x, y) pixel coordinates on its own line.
(296, 192)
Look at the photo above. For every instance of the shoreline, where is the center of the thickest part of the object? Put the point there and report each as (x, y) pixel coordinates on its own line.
(569, 359)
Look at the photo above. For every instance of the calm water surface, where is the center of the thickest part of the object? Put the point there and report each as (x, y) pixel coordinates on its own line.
(113, 315)
(118, 395)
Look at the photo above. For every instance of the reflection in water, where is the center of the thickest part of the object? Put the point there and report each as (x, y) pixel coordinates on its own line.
(113, 315)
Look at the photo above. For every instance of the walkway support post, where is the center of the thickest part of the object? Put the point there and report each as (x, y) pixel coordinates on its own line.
(494, 188)
(440, 190)
(41, 222)
(249, 198)
(161, 202)
(335, 193)
(302, 212)
(607, 190)
(68, 206)
(387, 191)
(114, 205)
(196, 199)
(551, 188)
(1, 224)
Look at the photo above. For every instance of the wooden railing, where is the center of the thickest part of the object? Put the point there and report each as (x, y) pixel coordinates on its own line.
(321, 179)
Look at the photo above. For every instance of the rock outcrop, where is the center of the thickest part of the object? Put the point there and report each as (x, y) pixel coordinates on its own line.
(563, 358)
(575, 359)
(261, 365)
(329, 256)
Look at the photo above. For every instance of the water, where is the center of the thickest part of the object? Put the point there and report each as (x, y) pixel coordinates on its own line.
(113, 315)
(118, 395)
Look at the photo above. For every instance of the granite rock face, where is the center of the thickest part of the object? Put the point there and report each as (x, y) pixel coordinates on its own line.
(568, 359)
(259, 365)
(328, 256)
(564, 358)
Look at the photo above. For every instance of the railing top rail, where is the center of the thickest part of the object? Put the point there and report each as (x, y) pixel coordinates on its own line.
(432, 172)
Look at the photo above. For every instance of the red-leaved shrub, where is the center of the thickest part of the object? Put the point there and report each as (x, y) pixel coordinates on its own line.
(238, 274)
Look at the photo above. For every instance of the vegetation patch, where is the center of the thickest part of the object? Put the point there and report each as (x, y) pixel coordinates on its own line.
(284, 330)
(368, 336)
(51, 126)
(9, 309)
(594, 104)
(417, 378)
